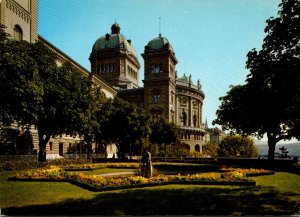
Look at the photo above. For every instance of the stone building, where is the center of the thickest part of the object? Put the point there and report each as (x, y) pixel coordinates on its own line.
(178, 100)
(115, 68)
(21, 20)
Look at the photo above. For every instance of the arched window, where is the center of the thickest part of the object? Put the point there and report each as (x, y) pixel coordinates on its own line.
(18, 33)
(197, 148)
(183, 117)
(195, 120)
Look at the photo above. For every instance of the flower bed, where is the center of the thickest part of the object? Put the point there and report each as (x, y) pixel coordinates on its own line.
(95, 166)
(47, 173)
(239, 172)
(96, 183)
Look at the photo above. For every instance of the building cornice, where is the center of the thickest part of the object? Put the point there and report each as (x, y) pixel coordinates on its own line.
(18, 10)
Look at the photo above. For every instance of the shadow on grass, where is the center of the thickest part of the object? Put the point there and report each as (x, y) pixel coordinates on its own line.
(171, 200)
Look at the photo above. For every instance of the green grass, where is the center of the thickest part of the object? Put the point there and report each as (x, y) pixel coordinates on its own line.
(277, 194)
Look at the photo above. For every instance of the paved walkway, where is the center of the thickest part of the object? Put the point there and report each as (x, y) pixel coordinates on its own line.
(132, 173)
(116, 174)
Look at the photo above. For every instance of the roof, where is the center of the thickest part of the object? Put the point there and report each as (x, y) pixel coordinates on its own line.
(115, 40)
(83, 70)
(159, 43)
(184, 78)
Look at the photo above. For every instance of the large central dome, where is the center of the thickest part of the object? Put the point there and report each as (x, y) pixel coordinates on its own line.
(115, 40)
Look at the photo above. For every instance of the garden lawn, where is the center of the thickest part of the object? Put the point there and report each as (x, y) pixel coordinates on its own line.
(277, 194)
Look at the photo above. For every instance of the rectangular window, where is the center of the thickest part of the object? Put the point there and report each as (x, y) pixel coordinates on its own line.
(156, 98)
(51, 146)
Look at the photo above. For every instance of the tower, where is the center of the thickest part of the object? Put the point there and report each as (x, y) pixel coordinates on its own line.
(20, 18)
(114, 60)
(159, 79)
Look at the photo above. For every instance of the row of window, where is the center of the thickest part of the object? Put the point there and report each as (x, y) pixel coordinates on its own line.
(156, 98)
(131, 72)
(183, 118)
(189, 136)
(106, 68)
(156, 67)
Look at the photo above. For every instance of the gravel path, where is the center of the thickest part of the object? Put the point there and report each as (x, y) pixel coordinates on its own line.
(116, 174)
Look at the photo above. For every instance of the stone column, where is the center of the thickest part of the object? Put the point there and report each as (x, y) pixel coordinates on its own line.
(189, 111)
(200, 114)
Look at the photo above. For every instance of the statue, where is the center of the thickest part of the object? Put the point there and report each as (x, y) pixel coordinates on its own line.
(284, 153)
(146, 165)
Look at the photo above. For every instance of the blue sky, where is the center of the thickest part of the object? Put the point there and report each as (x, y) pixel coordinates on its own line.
(211, 38)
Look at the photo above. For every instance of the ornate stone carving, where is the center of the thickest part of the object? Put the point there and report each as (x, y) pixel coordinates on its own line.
(183, 101)
(195, 104)
(18, 10)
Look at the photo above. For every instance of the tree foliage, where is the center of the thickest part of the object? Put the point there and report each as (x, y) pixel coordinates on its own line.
(123, 124)
(36, 90)
(237, 146)
(210, 149)
(164, 133)
(21, 89)
(269, 102)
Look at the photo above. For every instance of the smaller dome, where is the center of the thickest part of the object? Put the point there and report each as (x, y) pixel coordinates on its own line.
(159, 43)
(184, 79)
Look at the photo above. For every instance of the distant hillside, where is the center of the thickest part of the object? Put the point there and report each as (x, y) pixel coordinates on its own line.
(292, 148)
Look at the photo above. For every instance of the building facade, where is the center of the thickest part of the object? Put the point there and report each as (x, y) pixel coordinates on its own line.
(115, 69)
(20, 17)
(177, 100)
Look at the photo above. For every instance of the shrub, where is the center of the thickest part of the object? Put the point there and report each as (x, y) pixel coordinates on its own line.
(19, 165)
(229, 171)
(210, 149)
(237, 146)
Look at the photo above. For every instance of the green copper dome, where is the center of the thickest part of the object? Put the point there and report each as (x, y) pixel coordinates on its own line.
(159, 43)
(115, 40)
(184, 79)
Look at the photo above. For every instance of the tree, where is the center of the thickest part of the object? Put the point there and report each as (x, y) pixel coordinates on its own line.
(123, 124)
(8, 140)
(164, 133)
(211, 149)
(68, 100)
(269, 101)
(21, 89)
(36, 90)
(178, 150)
(237, 146)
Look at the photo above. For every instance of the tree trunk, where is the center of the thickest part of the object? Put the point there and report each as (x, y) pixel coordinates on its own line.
(105, 150)
(43, 140)
(165, 153)
(272, 144)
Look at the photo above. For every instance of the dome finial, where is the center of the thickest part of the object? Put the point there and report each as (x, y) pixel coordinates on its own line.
(115, 28)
